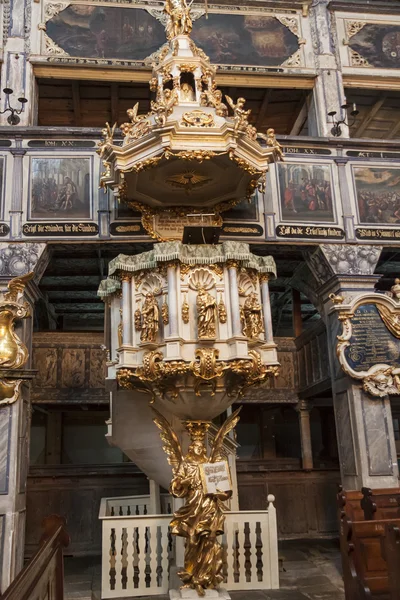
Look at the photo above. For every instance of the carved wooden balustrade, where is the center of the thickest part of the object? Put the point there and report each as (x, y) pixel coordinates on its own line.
(43, 576)
(139, 550)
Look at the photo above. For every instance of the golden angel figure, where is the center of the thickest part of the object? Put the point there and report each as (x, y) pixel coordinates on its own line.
(240, 115)
(179, 21)
(202, 518)
(150, 317)
(206, 314)
(253, 317)
(108, 135)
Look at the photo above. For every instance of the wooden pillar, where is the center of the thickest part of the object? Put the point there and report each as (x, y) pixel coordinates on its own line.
(303, 410)
(296, 313)
(53, 437)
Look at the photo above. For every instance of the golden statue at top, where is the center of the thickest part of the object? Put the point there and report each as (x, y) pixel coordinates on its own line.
(206, 314)
(253, 320)
(150, 317)
(179, 21)
(202, 518)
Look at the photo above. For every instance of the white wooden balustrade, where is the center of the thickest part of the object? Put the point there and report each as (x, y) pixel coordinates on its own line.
(138, 549)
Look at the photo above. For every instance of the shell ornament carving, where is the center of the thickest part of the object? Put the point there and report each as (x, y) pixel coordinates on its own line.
(152, 284)
(201, 278)
(245, 284)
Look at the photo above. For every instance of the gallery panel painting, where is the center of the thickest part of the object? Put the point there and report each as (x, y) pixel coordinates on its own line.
(379, 44)
(378, 194)
(305, 192)
(116, 32)
(60, 188)
(1, 183)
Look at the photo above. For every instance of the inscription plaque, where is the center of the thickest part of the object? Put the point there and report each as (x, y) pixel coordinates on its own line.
(371, 342)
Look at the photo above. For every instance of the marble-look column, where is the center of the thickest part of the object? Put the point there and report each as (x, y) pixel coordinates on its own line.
(17, 190)
(266, 303)
(16, 69)
(234, 298)
(364, 426)
(126, 311)
(303, 409)
(328, 93)
(15, 417)
(173, 300)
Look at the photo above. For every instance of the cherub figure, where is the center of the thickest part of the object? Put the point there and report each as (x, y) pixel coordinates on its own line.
(272, 142)
(108, 135)
(137, 126)
(240, 115)
(202, 517)
(213, 98)
(163, 106)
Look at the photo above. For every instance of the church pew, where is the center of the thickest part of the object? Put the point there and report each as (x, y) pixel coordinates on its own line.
(349, 504)
(365, 571)
(391, 553)
(379, 504)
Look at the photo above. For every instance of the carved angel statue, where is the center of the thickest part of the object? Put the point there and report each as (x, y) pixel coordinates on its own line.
(150, 317)
(163, 106)
(253, 320)
(139, 125)
(213, 98)
(179, 21)
(202, 518)
(240, 115)
(206, 314)
(108, 135)
(272, 142)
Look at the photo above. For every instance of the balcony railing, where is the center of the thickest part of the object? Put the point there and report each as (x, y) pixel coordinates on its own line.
(139, 550)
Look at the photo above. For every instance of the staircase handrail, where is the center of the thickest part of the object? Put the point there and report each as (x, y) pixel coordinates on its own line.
(46, 565)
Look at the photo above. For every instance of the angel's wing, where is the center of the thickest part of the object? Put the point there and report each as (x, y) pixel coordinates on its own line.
(172, 447)
(230, 102)
(135, 112)
(229, 424)
(17, 286)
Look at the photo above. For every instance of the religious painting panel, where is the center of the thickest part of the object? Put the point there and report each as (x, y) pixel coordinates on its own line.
(45, 362)
(60, 188)
(73, 368)
(375, 45)
(306, 192)
(377, 191)
(122, 33)
(97, 368)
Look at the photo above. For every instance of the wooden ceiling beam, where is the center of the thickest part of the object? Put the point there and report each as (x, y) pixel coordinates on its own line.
(393, 132)
(263, 108)
(300, 115)
(114, 103)
(76, 103)
(369, 116)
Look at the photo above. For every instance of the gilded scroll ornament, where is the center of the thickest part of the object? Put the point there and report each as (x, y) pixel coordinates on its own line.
(13, 352)
(206, 315)
(138, 320)
(213, 98)
(197, 118)
(165, 312)
(163, 106)
(108, 139)
(150, 318)
(222, 310)
(201, 520)
(137, 126)
(185, 310)
(10, 391)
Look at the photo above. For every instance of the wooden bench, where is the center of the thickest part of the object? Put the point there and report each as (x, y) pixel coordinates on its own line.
(349, 504)
(381, 504)
(391, 553)
(365, 570)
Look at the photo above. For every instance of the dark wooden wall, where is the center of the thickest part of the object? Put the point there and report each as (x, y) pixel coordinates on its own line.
(75, 492)
(305, 501)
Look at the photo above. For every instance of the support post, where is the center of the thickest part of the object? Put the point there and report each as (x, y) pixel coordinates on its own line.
(303, 410)
(266, 302)
(172, 300)
(234, 296)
